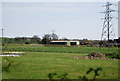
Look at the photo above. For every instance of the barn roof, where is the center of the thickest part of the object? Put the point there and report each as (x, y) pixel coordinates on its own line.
(64, 41)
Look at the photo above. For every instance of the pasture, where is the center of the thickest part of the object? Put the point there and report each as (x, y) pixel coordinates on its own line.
(39, 48)
(39, 61)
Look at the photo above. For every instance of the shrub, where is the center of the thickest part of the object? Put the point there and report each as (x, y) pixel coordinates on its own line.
(115, 55)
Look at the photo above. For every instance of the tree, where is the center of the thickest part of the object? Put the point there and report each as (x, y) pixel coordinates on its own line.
(35, 39)
(20, 40)
(54, 36)
(35, 36)
(46, 39)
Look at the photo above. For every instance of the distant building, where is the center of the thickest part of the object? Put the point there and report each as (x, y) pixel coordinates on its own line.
(65, 42)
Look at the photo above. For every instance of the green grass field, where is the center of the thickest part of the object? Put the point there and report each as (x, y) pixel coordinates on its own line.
(38, 48)
(37, 65)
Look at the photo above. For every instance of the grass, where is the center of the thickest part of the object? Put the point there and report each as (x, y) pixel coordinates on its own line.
(38, 48)
(37, 65)
(39, 61)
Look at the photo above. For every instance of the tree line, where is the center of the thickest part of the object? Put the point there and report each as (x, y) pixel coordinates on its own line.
(47, 38)
(31, 40)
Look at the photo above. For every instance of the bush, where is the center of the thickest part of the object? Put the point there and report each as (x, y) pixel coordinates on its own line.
(115, 55)
(63, 77)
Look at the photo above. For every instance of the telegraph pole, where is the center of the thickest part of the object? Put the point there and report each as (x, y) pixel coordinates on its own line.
(2, 32)
(2, 36)
(107, 30)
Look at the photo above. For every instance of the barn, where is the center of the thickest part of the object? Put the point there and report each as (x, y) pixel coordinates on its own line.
(65, 42)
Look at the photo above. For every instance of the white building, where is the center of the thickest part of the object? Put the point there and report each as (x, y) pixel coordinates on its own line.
(66, 42)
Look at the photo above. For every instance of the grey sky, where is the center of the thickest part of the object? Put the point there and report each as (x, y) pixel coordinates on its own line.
(75, 20)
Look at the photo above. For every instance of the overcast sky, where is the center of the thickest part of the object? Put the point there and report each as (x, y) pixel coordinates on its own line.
(74, 20)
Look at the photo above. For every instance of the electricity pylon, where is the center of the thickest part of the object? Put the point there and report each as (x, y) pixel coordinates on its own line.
(108, 29)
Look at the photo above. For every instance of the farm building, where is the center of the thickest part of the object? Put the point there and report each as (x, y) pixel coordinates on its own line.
(65, 42)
